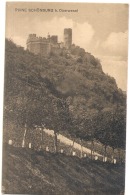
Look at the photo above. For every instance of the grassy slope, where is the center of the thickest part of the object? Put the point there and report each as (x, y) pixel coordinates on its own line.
(28, 172)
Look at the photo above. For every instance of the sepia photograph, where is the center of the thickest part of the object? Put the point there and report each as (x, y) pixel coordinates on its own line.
(65, 98)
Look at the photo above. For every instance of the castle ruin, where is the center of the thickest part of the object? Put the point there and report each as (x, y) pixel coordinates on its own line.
(44, 46)
(67, 37)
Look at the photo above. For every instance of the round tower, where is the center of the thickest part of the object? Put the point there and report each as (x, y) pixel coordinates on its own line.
(67, 37)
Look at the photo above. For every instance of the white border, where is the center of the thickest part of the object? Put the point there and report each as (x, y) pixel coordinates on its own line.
(2, 41)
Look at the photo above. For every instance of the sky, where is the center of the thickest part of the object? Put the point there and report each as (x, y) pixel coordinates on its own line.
(101, 29)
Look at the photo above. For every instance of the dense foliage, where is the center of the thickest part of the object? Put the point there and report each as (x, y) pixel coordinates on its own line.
(67, 92)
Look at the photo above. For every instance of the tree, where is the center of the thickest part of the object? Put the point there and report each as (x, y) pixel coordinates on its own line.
(110, 129)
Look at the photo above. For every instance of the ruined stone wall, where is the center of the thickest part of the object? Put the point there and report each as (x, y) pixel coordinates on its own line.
(54, 39)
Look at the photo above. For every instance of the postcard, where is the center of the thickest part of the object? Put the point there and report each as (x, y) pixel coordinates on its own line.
(65, 93)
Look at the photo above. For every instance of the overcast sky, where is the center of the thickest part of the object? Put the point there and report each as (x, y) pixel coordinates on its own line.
(101, 29)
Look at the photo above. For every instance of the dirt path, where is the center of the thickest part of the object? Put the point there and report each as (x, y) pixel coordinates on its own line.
(67, 141)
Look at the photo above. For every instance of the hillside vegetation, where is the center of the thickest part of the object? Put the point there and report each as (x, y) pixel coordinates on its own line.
(70, 94)
(29, 172)
(67, 92)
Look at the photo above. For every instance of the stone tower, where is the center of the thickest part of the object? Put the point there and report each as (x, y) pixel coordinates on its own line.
(67, 37)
